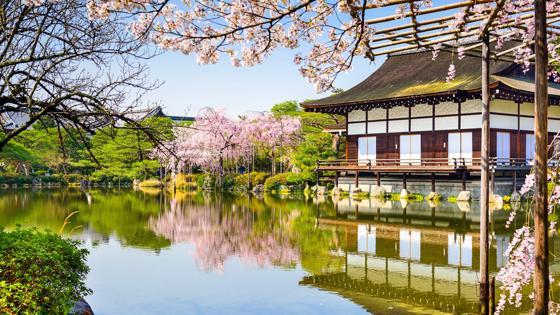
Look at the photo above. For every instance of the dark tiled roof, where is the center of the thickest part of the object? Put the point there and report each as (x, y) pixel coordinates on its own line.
(416, 74)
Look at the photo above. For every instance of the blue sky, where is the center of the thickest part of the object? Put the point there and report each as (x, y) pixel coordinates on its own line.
(188, 87)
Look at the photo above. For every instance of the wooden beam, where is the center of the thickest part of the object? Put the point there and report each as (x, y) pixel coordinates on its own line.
(540, 211)
(425, 11)
(493, 15)
(484, 169)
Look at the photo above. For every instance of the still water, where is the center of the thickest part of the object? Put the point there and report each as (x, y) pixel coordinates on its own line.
(193, 253)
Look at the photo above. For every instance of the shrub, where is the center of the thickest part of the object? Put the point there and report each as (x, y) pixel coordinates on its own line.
(186, 181)
(151, 183)
(228, 181)
(206, 182)
(274, 182)
(40, 273)
(257, 178)
(295, 181)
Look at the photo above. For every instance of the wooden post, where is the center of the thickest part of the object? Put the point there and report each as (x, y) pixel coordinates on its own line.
(404, 180)
(356, 179)
(484, 194)
(378, 179)
(433, 182)
(540, 212)
(514, 181)
(464, 180)
(335, 179)
(493, 295)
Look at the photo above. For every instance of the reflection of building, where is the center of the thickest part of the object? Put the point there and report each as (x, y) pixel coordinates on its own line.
(408, 253)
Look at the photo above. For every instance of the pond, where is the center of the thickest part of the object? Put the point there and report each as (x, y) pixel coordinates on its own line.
(192, 253)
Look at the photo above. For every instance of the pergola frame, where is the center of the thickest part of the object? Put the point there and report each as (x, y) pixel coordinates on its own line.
(481, 27)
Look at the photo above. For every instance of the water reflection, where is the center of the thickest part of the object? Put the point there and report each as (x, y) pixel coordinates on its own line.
(219, 234)
(420, 254)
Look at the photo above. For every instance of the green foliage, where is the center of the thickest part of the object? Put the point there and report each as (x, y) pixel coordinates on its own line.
(124, 153)
(257, 178)
(315, 144)
(40, 273)
(293, 181)
(14, 179)
(206, 182)
(151, 183)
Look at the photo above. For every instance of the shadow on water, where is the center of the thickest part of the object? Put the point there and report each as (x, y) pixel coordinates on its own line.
(385, 256)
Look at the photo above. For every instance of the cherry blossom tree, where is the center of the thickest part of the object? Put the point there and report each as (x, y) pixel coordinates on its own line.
(326, 35)
(272, 134)
(517, 274)
(215, 139)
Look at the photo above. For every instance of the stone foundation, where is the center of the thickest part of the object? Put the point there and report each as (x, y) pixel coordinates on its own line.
(423, 186)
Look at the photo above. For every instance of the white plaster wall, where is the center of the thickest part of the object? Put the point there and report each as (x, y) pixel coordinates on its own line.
(553, 125)
(527, 109)
(421, 124)
(447, 123)
(471, 106)
(398, 125)
(377, 127)
(398, 112)
(503, 122)
(377, 113)
(421, 110)
(503, 106)
(356, 128)
(526, 123)
(554, 111)
(471, 121)
(356, 115)
(447, 108)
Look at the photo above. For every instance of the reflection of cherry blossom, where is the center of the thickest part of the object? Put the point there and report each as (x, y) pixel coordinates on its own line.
(219, 235)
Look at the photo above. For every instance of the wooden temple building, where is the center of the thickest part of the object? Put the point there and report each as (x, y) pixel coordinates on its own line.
(406, 121)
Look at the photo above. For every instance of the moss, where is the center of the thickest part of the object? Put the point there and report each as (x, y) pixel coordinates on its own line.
(393, 196)
(151, 183)
(432, 87)
(360, 195)
(452, 198)
(415, 197)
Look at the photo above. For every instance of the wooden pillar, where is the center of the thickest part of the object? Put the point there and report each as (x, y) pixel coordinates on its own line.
(433, 182)
(540, 212)
(484, 169)
(378, 179)
(356, 179)
(335, 178)
(404, 181)
(514, 181)
(464, 180)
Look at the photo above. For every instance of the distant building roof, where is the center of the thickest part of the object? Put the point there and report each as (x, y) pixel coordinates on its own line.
(158, 112)
(13, 120)
(414, 78)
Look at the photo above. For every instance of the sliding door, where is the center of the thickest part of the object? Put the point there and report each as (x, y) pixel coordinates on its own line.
(529, 148)
(502, 148)
(460, 148)
(410, 150)
(367, 150)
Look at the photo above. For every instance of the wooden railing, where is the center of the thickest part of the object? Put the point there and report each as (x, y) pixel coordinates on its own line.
(425, 163)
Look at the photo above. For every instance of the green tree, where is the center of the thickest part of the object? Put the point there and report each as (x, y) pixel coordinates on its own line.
(315, 143)
(124, 153)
